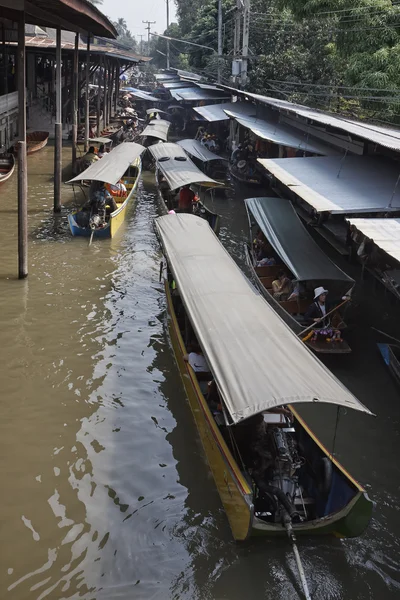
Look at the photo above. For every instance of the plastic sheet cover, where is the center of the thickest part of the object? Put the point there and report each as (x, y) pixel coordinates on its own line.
(177, 168)
(280, 224)
(257, 361)
(352, 184)
(195, 149)
(113, 165)
(157, 128)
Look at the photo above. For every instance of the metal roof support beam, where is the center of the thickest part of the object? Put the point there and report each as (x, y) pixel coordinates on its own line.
(58, 128)
(22, 166)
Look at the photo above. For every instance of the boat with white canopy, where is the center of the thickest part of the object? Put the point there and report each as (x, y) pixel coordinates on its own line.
(156, 130)
(272, 473)
(279, 243)
(174, 170)
(98, 217)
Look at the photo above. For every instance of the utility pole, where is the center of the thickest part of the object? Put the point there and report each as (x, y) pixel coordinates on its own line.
(245, 45)
(219, 40)
(149, 23)
(236, 43)
(167, 1)
(141, 43)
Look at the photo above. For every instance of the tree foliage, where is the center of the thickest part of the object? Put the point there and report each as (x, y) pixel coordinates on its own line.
(125, 37)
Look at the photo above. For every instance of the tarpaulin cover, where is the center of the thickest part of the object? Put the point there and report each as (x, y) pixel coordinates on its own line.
(384, 232)
(257, 361)
(216, 112)
(113, 165)
(353, 184)
(177, 168)
(280, 224)
(157, 128)
(282, 134)
(195, 149)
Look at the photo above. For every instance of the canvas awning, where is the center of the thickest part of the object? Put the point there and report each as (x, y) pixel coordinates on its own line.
(177, 168)
(280, 224)
(348, 185)
(113, 165)
(158, 128)
(196, 150)
(282, 135)
(216, 112)
(257, 361)
(384, 232)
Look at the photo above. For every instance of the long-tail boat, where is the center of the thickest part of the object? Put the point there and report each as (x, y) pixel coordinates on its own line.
(121, 164)
(293, 251)
(273, 474)
(178, 170)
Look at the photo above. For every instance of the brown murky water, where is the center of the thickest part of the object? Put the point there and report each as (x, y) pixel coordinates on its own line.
(105, 491)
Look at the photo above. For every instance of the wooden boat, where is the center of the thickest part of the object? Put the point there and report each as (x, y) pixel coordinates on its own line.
(36, 140)
(178, 170)
(124, 163)
(210, 163)
(7, 166)
(391, 355)
(243, 176)
(301, 259)
(270, 470)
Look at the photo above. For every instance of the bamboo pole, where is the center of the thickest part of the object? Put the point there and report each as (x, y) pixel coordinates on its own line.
(22, 172)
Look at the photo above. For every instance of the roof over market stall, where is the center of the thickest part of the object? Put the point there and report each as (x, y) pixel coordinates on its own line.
(283, 135)
(177, 168)
(257, 361)
(280, 224)
(113, 165)
(352, 184)
(216, 112)
(195, 94)
(384, 232)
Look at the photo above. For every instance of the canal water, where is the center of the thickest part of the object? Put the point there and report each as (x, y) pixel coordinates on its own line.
(105, 490)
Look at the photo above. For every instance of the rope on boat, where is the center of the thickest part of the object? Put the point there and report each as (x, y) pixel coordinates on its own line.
(287, 521)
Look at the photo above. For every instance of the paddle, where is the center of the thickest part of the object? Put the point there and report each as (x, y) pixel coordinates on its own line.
(322, 318)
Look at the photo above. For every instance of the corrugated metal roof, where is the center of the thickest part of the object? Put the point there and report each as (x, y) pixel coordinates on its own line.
(384, 232)
(193, 94)
(283, 135)
(140, 94)
(175, 85)
(354, 184)
(382, 136)
(216, 112)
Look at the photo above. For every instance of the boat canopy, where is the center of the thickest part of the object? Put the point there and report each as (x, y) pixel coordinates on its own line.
(257, 361)
(283, 135)
(384, 232)
(113, 165)
(149, 111)
(196, 150)
(216, 112)
(177, 168)
(348, 185)
(157, 128)
(100, 140)
(280, 224)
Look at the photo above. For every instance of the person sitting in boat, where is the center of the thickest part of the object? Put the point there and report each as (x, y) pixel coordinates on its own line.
(101, 152)
(90, 156)
(199, 364)
(236, 155)
(200, 133)
(316, 313)
(282, 287)
(186, 199)
(117, 190)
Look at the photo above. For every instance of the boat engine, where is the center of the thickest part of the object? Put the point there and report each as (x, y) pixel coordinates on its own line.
(98, 216)
(279, 483)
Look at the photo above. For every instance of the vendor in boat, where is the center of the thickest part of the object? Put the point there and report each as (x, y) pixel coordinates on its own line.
(200, 133)
(90, 156)
(236, 155)
(282, 287)
(317, 312)
(117, 190)
(101, 152)
(186, 199)
(197, 361)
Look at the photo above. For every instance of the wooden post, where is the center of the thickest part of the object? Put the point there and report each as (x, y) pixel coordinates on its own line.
(58, 128)
(116, 77)
(98, 98)
(110, 82)
(22, 172)
(87, 93)
(75, 88)
(105, 94)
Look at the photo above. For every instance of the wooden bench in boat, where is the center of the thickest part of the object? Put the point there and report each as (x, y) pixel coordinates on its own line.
(268, 271)
(294, 307)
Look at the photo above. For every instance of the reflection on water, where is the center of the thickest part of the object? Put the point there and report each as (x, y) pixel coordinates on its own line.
(106, 493)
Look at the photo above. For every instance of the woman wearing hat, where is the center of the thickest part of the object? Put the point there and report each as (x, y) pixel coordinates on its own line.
(318, 309)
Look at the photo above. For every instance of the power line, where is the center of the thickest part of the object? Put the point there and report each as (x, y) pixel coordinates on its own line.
(348, 87)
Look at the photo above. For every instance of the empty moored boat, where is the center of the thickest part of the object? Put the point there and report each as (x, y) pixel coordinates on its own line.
(7, 166)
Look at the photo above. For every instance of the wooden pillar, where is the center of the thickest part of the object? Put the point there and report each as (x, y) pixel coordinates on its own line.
(75, 91)
(105, 94)
(87, 93)
(22, 172)
(98, 98)
(110, 91)
(116, 78)
(58, 128)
